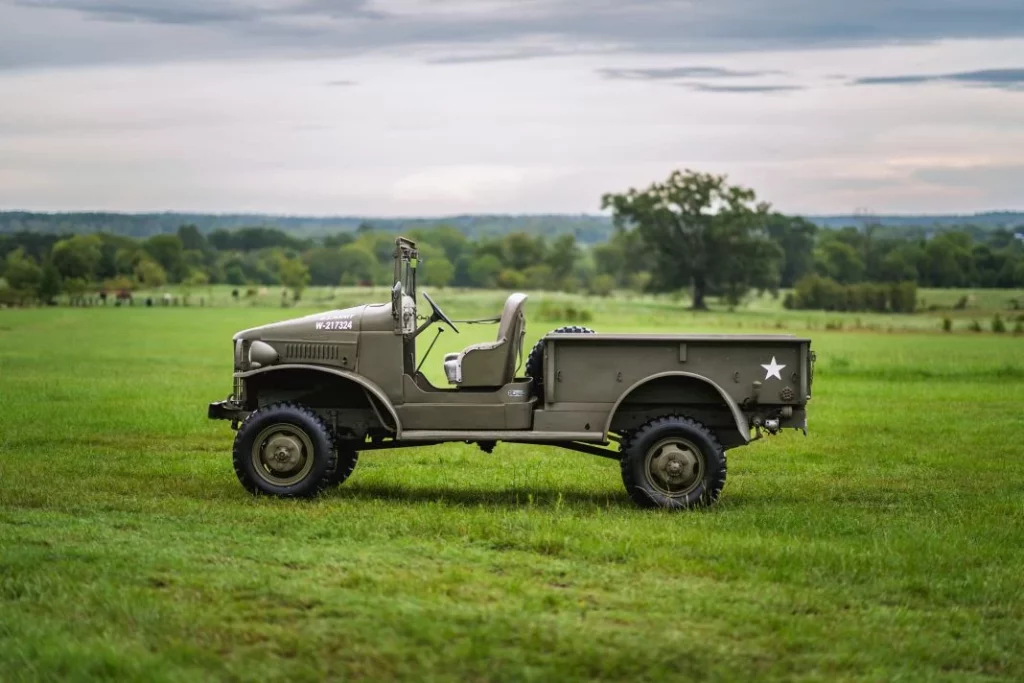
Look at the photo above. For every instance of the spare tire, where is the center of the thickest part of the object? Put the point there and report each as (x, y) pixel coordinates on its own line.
(535, 361)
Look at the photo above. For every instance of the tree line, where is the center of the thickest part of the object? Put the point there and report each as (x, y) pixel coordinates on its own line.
(694, 232)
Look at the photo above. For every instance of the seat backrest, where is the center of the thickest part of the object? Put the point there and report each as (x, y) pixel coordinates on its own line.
(511, 329)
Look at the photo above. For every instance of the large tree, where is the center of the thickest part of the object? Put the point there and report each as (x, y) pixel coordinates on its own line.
(78, 256)
(795, 236)
(699, 231)
(168, 251)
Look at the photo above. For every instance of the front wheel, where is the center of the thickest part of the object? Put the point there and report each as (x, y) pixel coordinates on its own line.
(347, 459)
(674, 463)
(284, 450)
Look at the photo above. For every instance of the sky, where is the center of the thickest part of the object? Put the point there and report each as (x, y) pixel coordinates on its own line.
(440, 107)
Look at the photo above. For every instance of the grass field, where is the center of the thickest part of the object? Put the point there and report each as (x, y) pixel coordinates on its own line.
(886, 545)
(632, 309)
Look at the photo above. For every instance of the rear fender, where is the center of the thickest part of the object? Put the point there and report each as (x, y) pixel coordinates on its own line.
(742, 426)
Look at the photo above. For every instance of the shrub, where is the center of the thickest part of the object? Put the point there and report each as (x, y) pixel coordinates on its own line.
(998, 326)
(975, 326)
(602, 285)
(903, 297)
(577, 315)
(1018, 328)
(823, 293)
(947, 324)
(549, 312)
(511, 279)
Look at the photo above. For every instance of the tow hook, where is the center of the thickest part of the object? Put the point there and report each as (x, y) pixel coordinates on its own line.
(771, 425)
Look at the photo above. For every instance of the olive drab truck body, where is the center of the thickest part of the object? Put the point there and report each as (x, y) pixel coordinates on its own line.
(313, 392)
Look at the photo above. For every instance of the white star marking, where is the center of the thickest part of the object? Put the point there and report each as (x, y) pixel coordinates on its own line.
(773, 369)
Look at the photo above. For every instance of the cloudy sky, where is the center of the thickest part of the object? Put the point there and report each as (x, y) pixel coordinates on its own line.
(432, 107)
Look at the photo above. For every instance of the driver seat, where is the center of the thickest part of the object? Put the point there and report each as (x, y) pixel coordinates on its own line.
(491, 364)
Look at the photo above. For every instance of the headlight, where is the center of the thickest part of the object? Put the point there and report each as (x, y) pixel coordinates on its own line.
(238, 354)
(261, 354)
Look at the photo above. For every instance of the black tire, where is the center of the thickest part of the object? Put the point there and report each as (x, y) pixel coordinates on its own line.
(673, 462)
(347, 459)
(535, 361)
(284, 450)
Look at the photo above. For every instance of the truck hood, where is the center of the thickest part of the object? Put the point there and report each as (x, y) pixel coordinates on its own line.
(323, 325)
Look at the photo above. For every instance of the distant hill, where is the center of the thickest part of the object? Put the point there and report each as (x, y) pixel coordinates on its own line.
(989, 219)
(589, 229)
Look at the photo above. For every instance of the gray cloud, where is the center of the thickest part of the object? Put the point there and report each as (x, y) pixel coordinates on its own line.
(685, 76)
(749, 89)
(186, 13)
(340, 83)
(1003, 79)
(680, 72)
(323, 27)
(511, 55)
(192, 12)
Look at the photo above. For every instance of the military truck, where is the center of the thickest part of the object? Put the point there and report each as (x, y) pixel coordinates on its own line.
(313, 392)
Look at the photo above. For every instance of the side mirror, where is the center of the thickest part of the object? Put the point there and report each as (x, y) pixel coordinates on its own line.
(396, 301)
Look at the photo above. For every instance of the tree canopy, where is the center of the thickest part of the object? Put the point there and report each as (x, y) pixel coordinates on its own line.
(698, 231)
(693, 230)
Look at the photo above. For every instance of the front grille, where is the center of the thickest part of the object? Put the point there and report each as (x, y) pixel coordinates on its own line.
(239, 390)
(311, 351)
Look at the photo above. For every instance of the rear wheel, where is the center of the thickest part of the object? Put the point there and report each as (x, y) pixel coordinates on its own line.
(535, 361)
(284, 450)
(673, 462)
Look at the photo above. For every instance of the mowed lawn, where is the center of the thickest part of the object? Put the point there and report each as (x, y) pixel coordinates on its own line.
(888, 544)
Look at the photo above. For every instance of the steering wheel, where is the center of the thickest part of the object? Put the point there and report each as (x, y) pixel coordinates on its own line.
(438, 313)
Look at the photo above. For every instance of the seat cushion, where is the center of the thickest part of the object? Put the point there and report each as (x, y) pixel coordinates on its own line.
(453, 361)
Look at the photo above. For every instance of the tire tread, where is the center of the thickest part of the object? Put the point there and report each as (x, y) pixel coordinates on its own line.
(636, 491)
(239, 456)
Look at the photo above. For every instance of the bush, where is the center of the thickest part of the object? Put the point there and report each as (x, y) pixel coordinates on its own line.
(998, 326)
(577, 315)
(975, 326)
(947, 324)
(823, 293)
(602, 285)
(511, 279)
(903, 297)
(1018, 328)
(550, 312)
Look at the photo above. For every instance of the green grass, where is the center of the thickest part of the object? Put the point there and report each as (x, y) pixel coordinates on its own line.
(630, 309)
(887, 545)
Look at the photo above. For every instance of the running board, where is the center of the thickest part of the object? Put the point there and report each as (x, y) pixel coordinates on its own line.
(510, 435)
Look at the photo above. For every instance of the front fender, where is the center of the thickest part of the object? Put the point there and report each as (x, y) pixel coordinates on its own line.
(738, 417)
(374, 391)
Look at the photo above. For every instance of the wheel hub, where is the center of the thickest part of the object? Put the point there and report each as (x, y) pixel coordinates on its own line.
(675, 466)
(282, 453)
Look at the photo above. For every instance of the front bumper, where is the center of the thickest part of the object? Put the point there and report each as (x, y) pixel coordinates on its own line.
(226, 410)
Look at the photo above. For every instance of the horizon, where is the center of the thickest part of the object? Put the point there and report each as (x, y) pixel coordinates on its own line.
(411, 108)
(509, 214)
